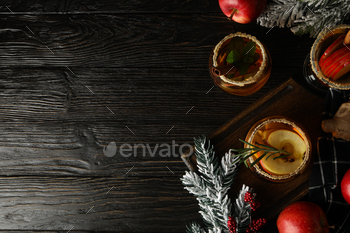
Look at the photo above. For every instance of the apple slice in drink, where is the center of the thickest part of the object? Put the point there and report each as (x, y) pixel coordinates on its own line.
(266, 133)
(342, 68)
(329, 64)
(338, 43)
(270, 127)
(289, 141)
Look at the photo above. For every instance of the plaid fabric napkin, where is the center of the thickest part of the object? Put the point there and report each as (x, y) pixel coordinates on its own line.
(332, 162)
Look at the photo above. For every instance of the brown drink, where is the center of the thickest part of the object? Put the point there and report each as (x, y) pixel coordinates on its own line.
(324, 41)
(229, 78)
(284, 134)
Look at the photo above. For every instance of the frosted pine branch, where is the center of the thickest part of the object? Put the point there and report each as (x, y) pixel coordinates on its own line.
(212, 184)
(308, 16)
(195, 228)
(242, 210)
(322, 18)
(322, 3)
(194, 184)
(282, 13)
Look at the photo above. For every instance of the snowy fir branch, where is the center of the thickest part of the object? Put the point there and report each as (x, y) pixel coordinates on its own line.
(242, 210)
(322, 18)
(307, 16)
(211, 186)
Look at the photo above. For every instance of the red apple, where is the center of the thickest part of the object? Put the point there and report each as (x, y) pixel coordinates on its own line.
(302, 217)
(345, 186)
(333, 47)
(242, 11)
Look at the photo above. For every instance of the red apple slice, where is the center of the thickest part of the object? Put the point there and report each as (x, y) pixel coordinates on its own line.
(328, 65)
(338, 43)
(343, 67)
(333, 58)
(337, 63)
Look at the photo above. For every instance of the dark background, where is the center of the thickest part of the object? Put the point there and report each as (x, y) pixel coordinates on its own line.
(77, 75)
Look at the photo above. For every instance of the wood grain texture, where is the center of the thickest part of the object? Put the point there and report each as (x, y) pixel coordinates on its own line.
(95, 204)
(131, 40)
(108, 6)
(56, 122)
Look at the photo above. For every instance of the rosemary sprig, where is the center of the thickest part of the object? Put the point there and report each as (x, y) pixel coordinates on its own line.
(245, 153)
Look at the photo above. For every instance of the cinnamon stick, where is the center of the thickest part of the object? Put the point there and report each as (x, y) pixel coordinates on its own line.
(223, 70)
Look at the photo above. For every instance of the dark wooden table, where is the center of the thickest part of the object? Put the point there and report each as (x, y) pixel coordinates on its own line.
(78, 75)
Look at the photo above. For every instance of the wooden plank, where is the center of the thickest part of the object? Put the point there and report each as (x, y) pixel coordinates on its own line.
(32, 7)
(52, 124)
(95, 204)
(58, 94)
(289, 100)
(126, 41)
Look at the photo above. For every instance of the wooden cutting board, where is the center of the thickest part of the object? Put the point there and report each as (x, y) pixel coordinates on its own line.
(290, 100)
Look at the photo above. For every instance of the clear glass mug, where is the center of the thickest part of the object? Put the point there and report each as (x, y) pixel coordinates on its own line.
(312, 70)
(267, 126)
(241, 85)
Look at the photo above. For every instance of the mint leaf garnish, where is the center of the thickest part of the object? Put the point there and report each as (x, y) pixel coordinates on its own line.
(242, 55)
(229, 76)
(248, 59)
(236, 43)
(229, 58)
(249, 49)
(243, 67)
(233, 56)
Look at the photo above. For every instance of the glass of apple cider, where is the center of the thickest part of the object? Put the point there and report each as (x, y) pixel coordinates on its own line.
(230, 77)
(280, 133)
(328, 62)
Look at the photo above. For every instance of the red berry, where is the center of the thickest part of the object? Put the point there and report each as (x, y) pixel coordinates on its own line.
(231, 224)
(248, 197)
(255, 205)
(255, 225)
